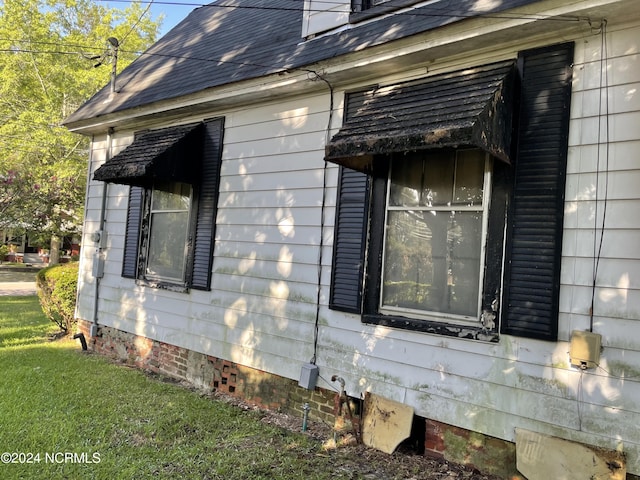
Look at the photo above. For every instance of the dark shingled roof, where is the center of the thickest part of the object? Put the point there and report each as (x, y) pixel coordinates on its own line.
(233, 40)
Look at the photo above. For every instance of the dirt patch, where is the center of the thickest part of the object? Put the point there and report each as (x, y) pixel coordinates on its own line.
(359, 461)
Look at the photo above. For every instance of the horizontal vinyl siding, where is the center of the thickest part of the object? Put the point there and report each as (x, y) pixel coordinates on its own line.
(529, 384)
(268, 236)
(261, 309)
(617, 286)
(115, 226)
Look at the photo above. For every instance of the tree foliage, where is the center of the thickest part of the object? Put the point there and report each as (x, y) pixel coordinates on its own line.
(48, 53)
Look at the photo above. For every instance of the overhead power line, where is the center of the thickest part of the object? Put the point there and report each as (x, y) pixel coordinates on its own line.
(434, 12)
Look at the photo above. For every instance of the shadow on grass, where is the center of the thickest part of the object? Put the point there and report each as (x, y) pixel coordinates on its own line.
(23, 323)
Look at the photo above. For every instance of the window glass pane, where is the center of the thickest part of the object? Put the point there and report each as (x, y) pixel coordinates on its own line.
(439, 173)
(416, 182)
(168, 231)
(171, 196)
(432, 261)
(167, 245)
(469, 177)
(406, 183)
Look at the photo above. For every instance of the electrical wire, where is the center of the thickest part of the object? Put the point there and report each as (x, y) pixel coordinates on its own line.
(580, 400)
(597, 243)
(56, 44)
(322, 218)
(435, 12)
(143, 54)
(330, 384)
(124, 38)
(28, 50)
(620, 377)
(580, 389)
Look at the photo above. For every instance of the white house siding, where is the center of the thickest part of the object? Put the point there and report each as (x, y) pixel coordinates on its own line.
(523, 383)
(261, 311)
(116, 220)
(320, 16)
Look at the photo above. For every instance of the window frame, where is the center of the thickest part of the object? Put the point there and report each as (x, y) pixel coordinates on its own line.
(202, 221)
(366, 9)
(525, 218)
(485, 326)
(147, 235)
(428, 315)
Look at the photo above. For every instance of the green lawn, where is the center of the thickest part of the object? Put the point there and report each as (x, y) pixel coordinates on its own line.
(75, 415)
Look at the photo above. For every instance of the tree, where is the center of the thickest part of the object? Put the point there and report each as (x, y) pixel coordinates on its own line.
(48, 53)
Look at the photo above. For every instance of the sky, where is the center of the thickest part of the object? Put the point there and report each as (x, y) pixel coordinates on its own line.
(174, 10)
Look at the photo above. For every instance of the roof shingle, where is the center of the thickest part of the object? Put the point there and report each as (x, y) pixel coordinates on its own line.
(233, 40)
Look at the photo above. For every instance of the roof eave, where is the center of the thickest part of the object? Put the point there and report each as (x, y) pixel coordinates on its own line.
(196, 104)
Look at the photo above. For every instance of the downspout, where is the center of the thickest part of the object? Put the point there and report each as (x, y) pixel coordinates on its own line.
(99, 239)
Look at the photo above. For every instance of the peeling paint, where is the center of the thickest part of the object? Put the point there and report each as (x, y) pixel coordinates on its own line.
(438, 328)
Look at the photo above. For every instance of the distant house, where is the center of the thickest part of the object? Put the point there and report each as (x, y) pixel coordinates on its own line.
(435, 201)
(22, 248)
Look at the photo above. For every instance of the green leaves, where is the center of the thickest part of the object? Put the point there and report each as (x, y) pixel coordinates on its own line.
(45, 74)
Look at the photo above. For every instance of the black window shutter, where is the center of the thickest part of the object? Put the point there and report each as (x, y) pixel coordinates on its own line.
(349, 241)
(132, 234)
(532, 277)
(207, 205)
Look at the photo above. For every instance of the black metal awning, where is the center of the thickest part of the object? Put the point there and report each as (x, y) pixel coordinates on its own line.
(166, 154)
(467, 108)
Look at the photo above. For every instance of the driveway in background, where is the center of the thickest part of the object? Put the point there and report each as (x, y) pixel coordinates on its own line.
(17, 283)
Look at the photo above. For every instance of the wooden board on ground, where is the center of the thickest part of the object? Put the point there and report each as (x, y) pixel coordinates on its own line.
(385, 423)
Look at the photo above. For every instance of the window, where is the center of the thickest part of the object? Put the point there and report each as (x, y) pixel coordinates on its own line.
(365, 9)
(167, 241)
(174, 175)
(366, 4)
(433, 236)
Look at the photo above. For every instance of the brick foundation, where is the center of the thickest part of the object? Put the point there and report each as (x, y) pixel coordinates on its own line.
(257, 387)
(487, 454)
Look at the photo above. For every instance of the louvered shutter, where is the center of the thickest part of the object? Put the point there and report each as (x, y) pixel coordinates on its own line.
(349, 241)
(207, 205)
(532, 281)
(132, 234)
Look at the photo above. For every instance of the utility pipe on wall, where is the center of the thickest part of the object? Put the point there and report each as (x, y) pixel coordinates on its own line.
(99, 239)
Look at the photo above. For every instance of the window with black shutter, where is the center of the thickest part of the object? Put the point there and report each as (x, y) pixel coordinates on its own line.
(430, 228)
(174, 177)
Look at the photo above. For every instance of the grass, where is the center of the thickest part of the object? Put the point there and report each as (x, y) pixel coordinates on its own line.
(81, 416)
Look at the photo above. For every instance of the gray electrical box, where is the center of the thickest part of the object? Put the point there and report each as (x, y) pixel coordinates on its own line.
(99, 238)
(98, 266)
(308, 376)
